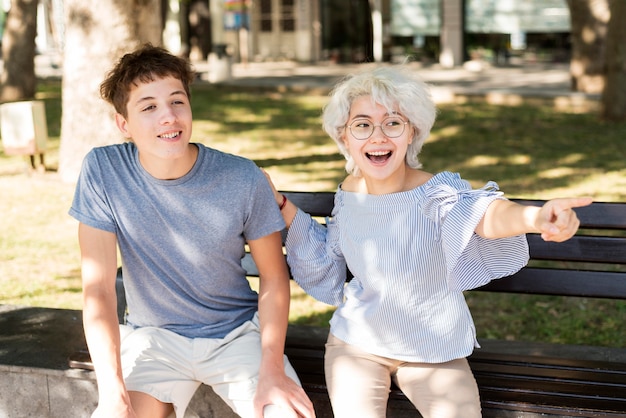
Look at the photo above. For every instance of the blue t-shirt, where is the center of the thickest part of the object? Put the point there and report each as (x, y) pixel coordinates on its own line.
(181, 241)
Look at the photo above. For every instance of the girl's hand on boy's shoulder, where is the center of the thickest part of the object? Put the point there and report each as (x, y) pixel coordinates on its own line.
(277, 195)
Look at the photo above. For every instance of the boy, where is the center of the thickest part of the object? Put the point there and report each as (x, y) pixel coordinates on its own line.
(180, 214)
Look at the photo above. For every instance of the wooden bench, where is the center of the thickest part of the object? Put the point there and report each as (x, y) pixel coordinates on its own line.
(513, 383)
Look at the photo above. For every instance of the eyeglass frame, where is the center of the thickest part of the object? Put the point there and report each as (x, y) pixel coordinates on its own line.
(380, 125)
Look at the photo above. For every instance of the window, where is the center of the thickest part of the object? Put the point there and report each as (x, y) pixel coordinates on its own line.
(287, 19)
(265, 7)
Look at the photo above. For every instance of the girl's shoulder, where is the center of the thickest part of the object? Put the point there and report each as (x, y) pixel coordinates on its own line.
(417, 178)
(352, 184)
(413, 180)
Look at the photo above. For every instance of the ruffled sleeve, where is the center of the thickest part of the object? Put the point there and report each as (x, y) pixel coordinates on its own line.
(456, 209)
(314, 258)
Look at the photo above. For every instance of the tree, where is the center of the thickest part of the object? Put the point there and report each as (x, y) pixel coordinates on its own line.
(589, 20)
(97, 33)
(197, 18)
(614, 94)
(18, 81)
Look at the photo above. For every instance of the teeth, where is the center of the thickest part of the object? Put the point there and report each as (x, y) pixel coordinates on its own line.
(170, 136)
(378, 153)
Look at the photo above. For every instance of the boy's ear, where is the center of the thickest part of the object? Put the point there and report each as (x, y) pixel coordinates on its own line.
(122, 125)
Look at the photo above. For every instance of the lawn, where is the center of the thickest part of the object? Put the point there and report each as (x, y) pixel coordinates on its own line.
(531, 151)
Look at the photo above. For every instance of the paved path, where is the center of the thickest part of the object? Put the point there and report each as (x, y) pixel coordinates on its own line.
(539, 80)
(529, 79)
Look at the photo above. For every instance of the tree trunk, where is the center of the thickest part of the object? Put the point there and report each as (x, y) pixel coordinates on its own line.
(199, 23)
(589, 20)
(614, 94)
(18, 81)
(97, 33)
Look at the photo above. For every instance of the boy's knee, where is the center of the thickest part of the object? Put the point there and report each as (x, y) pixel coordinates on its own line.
(275, 411)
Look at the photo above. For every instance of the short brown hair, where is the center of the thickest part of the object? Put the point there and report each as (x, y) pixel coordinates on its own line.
(141, 66)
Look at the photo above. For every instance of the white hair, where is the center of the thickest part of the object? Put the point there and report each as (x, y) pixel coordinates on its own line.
(398, 89)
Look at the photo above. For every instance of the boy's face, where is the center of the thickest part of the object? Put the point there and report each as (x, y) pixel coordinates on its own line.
(159, 119)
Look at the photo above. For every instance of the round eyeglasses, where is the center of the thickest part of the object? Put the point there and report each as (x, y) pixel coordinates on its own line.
(392, 127)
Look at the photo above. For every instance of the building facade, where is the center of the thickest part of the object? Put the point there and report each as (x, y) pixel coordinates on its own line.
(446, 31)
(450, 31)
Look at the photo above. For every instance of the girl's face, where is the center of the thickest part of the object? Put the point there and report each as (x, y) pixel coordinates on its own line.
(380, 155)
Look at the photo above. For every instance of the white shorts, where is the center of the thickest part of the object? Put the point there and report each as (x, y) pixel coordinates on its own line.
(170, 367)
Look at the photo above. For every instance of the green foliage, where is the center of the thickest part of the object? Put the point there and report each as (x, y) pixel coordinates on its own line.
(565, 320)
(532, 151)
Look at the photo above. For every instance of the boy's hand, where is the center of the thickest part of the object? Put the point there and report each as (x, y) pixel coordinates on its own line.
(278, 393)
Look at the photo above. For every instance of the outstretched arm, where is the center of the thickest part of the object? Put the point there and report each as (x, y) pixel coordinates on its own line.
(555, 220)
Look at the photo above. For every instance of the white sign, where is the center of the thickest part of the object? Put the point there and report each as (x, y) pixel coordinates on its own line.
(23, 127)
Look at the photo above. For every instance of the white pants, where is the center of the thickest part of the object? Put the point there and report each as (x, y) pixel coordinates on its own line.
(170, 367)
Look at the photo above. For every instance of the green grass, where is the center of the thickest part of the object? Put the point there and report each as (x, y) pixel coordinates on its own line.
(531, 151)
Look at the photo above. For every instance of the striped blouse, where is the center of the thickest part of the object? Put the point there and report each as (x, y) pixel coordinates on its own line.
(412, 254)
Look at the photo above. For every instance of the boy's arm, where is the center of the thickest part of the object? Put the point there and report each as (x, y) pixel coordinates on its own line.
(99, 266)
(274, 386)
(555, 220)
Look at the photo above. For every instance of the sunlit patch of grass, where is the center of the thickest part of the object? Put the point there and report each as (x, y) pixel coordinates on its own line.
(304, 310)
(555, 319)
(531, 151)
(517, 146)
(38, 244)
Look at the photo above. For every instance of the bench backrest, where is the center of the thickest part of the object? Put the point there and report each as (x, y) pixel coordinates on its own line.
(590, 264)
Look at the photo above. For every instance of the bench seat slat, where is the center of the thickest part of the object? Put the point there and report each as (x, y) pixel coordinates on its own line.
(557, 395)
(516, 376)
(557, 381)
(592, 249)
(538, 392)
(485, 356)
(497, 399)
(582, 283)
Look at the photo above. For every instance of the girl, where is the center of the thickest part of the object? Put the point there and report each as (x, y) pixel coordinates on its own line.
(414, 242)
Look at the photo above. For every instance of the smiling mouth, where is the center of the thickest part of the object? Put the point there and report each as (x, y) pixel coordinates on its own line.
(170, 135)
(378, 156)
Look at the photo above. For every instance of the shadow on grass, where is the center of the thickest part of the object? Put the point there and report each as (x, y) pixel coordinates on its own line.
(526, 149)
(531, 151)
(299, 160)
(317, 319)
